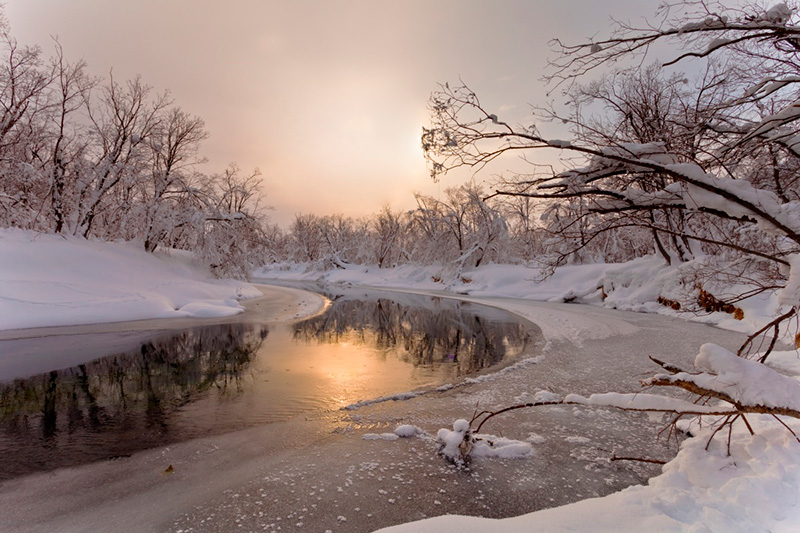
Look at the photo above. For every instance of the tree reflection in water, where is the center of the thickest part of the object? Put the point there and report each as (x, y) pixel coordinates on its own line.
(119, 403)
(212, 380)
(447, 332)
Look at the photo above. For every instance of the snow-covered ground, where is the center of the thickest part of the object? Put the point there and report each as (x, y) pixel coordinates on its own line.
(345, 471)
(51, 280)
(632, 286)
(755, 488)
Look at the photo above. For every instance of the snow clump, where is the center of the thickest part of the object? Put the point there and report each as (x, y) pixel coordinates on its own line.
(456, 444)
(408, 430)
(460, 444)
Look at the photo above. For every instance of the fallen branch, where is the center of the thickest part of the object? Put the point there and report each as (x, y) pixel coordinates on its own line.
(738, 408)
(640, 459)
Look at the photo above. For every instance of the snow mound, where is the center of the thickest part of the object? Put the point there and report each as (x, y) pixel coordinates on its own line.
(380, 436)
(500, 447)
(408, 430)
(52, 280)
(461, 444)
(748, 382)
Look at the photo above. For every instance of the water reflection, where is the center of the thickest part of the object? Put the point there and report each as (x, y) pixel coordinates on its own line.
(222, 378)
(449, 333)
(120, 403)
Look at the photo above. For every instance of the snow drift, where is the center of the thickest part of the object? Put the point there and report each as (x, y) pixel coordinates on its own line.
(52, 280)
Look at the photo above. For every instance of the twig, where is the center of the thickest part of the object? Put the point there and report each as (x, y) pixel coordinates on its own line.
(730, 432)
(714, 434)
(642, 459)
(749, 427)
(773, 324)
(787, 427)
(512, 408)
(666, 366)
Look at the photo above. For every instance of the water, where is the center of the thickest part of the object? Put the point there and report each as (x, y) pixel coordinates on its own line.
(218, 379)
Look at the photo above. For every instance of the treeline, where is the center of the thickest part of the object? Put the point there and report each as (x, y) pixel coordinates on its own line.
(116, 160)
(462, 229)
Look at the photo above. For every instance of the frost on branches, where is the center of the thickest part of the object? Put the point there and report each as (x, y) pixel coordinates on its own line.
(697, 164)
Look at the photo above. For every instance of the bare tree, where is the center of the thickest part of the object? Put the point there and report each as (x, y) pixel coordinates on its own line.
(712, 164)
(174, 146)
(122, 120)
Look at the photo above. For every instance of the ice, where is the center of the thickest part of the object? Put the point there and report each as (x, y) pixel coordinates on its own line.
(381, 436)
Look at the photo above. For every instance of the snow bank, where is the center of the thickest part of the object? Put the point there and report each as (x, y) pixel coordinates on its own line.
(51, 280)
(753, 489)
(632, 286)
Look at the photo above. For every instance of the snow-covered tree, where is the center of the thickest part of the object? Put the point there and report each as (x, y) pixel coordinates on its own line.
(174, 146)
(462, 228)
(24, 82)
(703, 162)
(388, 228)
(116, 160)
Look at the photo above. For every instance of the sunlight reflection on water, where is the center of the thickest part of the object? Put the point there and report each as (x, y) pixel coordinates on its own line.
(223, 378)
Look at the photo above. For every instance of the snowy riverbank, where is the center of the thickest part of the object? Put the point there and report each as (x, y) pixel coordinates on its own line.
(320, 472)
(754, 488)
(51, 280)
(632, 286)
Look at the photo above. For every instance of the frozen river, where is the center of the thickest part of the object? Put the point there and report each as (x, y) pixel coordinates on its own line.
(316, 472)
(217, 379)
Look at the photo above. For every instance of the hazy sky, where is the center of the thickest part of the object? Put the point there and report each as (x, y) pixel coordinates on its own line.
(327, 98)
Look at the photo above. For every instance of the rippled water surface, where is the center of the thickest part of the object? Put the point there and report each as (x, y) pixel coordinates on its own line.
(217, 379)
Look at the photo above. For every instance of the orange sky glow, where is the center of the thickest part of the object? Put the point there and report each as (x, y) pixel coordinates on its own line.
(326, 98)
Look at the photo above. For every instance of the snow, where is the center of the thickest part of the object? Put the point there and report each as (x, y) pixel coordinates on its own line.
(50, 280)
(632, 286)
(642, 402)
(559, 143)
(779, 13)
(745, 381)
(755, 488)
(455, 444)
(790, 295)
(487, 445)
(407, 430)
(461, 443)
(460, 426)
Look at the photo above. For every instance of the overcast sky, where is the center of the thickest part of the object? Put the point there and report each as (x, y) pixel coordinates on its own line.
(327, 98)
